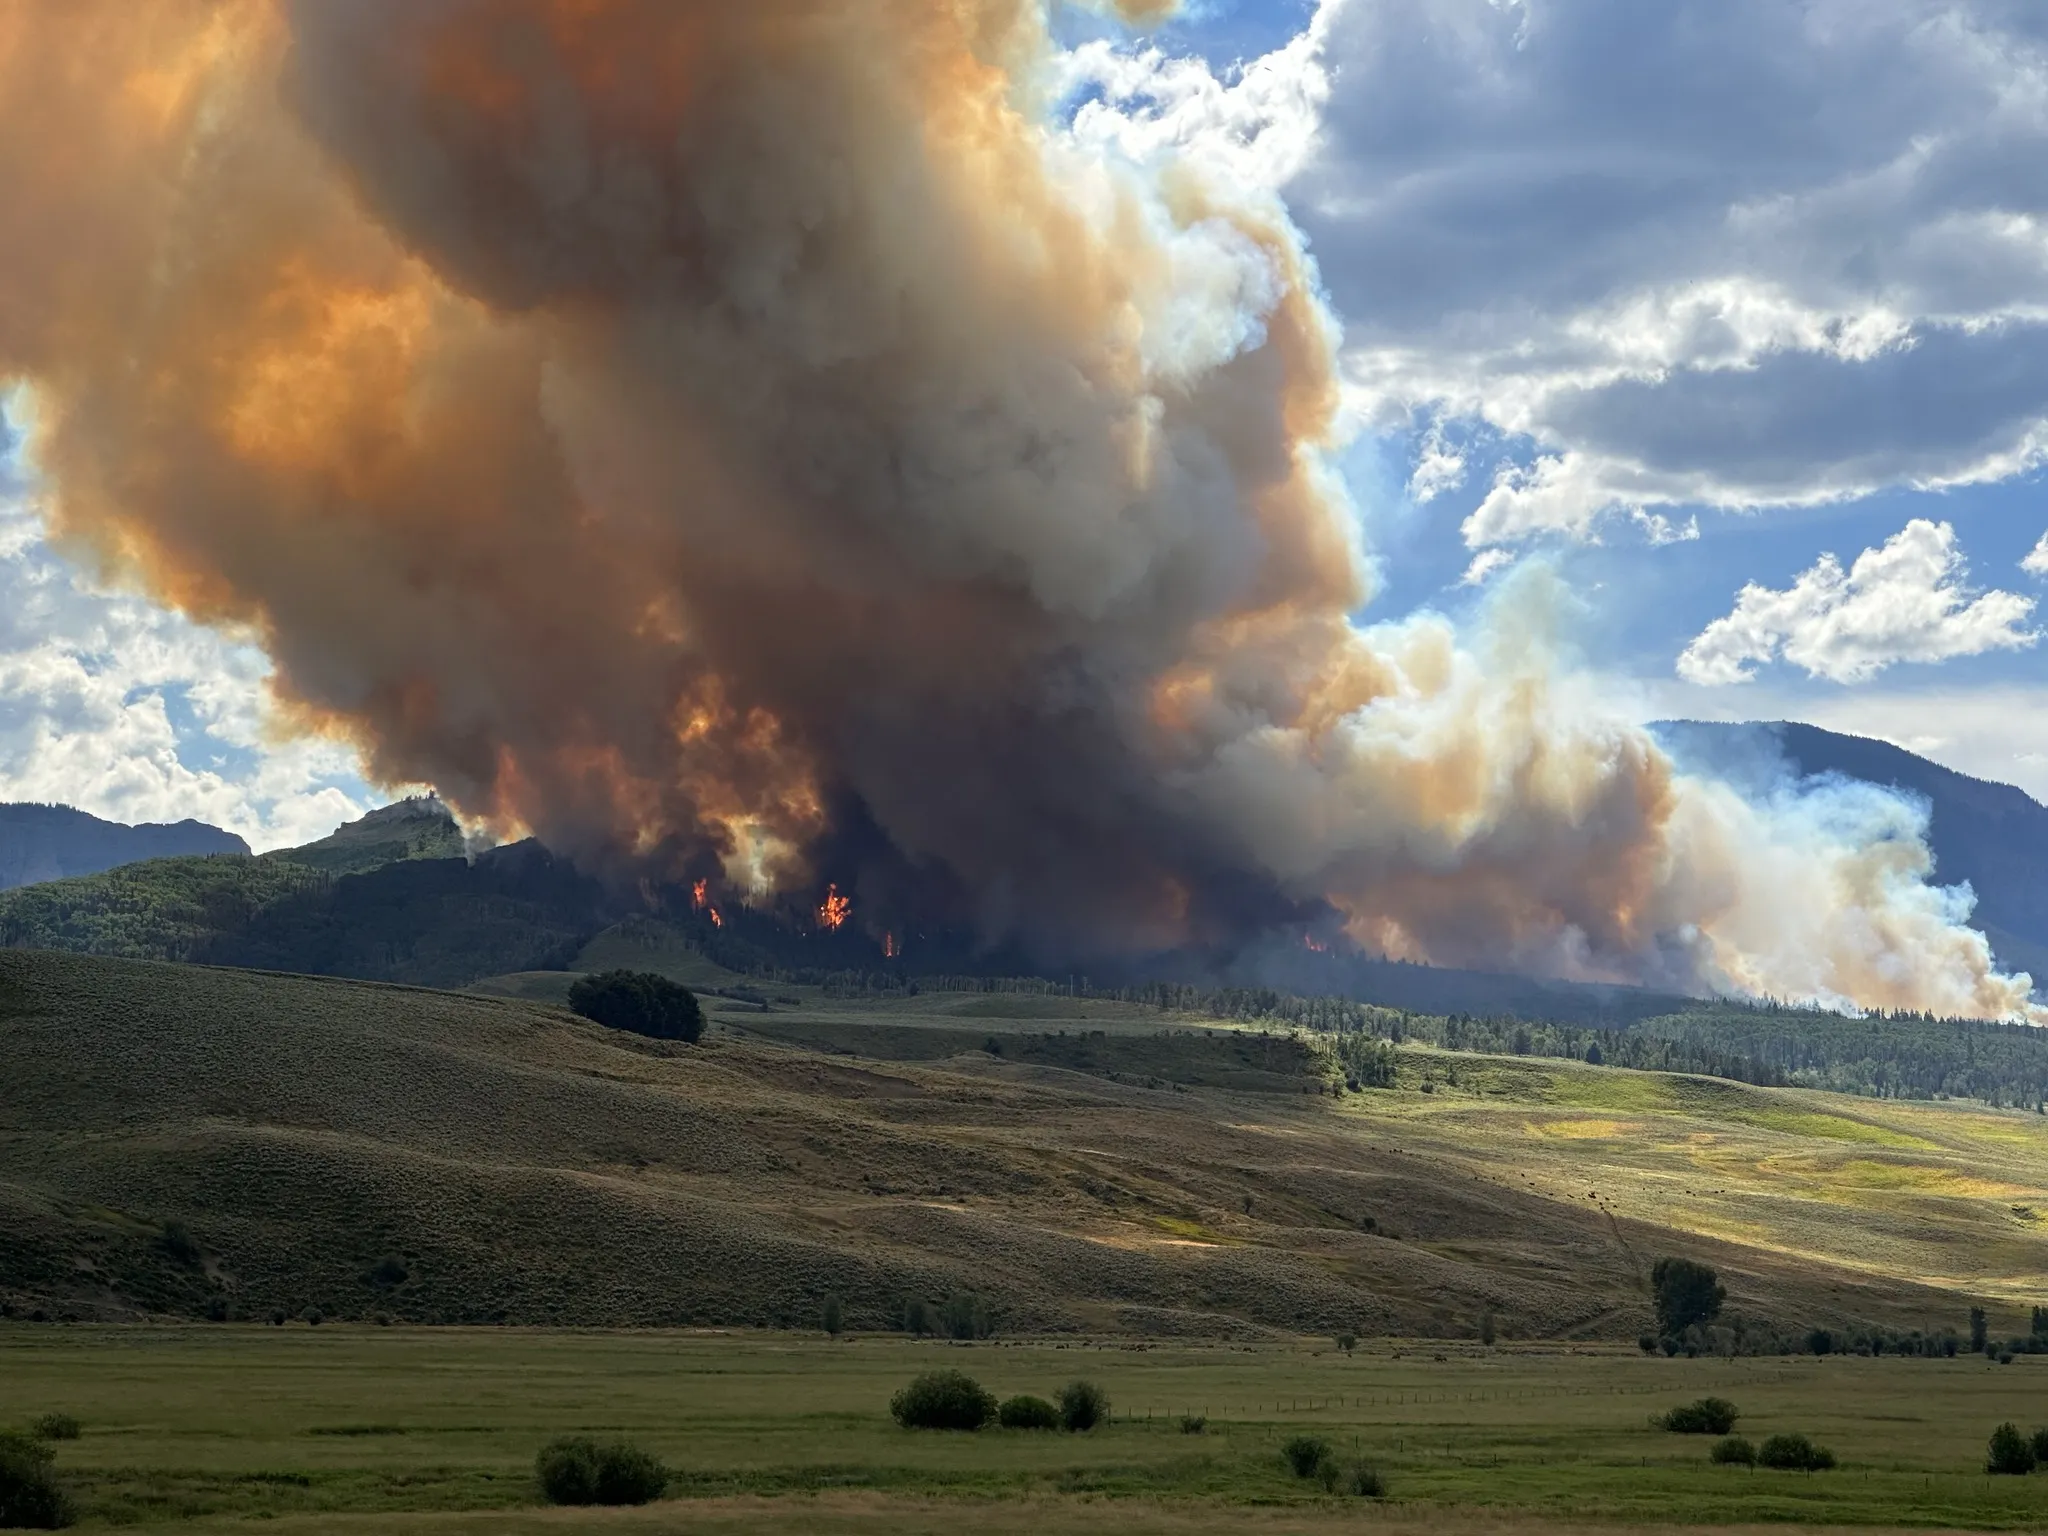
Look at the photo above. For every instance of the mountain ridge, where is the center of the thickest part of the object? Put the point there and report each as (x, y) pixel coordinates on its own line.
(40, 842)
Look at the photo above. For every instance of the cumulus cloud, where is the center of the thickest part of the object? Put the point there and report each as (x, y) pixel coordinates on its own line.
(111, 703)
(2036, 563)
(1908, 600)
(1735, 253)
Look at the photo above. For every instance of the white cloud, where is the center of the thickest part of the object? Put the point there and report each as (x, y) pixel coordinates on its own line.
(1438, 468)
(111, 704)
(2036, 563)
(1483, 565)
(1745, 254)
(1906, 601)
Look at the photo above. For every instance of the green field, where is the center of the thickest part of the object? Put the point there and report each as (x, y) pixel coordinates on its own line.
(369, 1429)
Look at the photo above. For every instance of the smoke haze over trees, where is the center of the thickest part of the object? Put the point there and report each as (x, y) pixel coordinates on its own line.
(758, 445)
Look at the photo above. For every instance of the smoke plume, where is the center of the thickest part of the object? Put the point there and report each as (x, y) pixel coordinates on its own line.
(751, 443)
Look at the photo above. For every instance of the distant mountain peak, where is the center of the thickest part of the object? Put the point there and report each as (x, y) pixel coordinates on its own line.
(55, 842)
(417, 827)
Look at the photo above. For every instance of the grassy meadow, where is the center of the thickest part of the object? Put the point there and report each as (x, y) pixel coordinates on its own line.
(347, 1428)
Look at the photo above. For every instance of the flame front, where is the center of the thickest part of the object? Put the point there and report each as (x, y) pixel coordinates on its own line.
(834, 910)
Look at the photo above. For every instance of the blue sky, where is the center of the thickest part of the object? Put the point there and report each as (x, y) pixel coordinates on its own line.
(1683, 298)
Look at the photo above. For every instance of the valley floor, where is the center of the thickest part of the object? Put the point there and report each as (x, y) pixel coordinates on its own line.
(392, 1430)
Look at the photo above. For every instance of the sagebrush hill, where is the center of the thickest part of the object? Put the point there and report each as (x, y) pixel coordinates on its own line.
(183, 1141)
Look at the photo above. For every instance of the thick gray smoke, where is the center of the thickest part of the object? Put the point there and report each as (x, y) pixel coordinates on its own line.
(751, 443)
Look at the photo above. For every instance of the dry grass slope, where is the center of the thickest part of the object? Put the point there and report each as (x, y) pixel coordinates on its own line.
(1089, 1167)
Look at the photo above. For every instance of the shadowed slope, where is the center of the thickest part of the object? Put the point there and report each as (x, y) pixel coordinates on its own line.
(367, 1149)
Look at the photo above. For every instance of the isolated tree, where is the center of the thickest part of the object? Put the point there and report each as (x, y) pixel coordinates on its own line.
(1980, 1331)
(967, 1317)
(2012, 1453)
(833, 1315)
(1687, 1294)
(640, 1003)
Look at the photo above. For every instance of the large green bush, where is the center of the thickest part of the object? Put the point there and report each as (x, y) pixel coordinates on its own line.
(1027, 1412)
(2012, 1453)
(640, 1003)
(1708, 1416)
(943, 1400)
(583, 1471)
(1734, 1452)
(1794, 1453)
(55, 1426)
(1083, 1405)
(1306, 1455)
(30, 1499)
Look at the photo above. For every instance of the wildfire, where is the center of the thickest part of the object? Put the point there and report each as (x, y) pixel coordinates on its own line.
(889, 949)
(1313, 943)
(716, 920)
(834, 910)
(697, 897)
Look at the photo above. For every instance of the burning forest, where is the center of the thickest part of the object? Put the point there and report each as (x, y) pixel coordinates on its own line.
(758, 450)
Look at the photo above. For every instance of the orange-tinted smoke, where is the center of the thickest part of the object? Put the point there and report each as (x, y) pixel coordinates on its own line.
(696, 431)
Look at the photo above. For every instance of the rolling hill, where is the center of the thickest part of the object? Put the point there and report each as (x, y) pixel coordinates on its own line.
(178, 1140)
(53, 842)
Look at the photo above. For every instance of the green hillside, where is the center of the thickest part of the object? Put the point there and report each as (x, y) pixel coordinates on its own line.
(392, 897)
(1083, 1164)
(416, 828)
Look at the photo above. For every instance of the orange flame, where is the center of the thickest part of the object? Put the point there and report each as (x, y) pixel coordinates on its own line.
(697, 894)
(834, 910)
(1310, 940)
(716, 920)
(889, 949)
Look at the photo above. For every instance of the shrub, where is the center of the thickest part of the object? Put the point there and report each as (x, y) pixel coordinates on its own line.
(2012, 1453)
(1647, 1343)
(277, 1317)
(1734, 1452)
(1486, 1328)
(1686, 1294)
(1195, 1424)
(30, 1499)
(943, 1400)
(2041, 1445)
(833, 1316)
(56, 1426)
(1306, 1455)
(389, 1272)
(1794, 1453)
(1366, 1483)
(1820, 1342)
(1708, 1416)
(315, 1317)
(1083, 1405)
(1347, 1342)
(1028, 1412)
(640, 1003)
(181, 1245)
(581, 1471)
(917, 1316)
